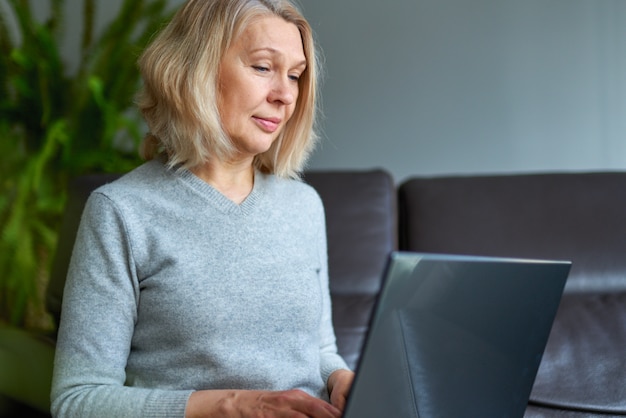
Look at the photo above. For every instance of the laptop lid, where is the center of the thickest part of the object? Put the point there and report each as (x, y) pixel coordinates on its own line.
(455, 336)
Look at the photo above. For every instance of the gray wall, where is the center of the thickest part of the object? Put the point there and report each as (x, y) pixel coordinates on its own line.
(457, 86)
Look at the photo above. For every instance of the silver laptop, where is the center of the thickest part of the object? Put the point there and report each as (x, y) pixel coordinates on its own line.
(456, 336)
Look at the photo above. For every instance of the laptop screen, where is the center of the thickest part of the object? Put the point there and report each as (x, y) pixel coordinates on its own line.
(456, 336)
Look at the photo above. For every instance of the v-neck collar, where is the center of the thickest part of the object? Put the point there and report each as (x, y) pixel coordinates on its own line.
(218, 200)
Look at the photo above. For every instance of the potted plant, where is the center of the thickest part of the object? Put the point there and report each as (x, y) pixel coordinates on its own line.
(56, 124)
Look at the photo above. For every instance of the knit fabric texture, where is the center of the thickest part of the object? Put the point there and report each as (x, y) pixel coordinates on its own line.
(173, 288)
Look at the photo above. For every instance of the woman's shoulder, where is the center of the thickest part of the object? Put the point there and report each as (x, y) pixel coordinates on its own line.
(147, 176)
(145, 185)
(292, 188)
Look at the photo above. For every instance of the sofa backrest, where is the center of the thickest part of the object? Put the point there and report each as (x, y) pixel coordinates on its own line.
(361, 222)
(571, 216)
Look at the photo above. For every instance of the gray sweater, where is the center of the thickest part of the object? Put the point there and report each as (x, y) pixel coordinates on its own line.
(173, 288)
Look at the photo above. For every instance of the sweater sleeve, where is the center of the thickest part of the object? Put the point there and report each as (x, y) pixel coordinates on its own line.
(97, 322)
(330, 360)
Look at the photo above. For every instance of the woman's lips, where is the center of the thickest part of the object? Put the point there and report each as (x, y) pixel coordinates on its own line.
(269, 125)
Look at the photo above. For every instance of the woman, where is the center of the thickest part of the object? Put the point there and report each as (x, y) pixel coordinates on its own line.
(198, 286)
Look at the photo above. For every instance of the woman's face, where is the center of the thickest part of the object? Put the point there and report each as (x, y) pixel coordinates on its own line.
(258, 83)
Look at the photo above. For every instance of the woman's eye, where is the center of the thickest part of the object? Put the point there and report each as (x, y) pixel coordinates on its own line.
(294, 77)
(260, 68)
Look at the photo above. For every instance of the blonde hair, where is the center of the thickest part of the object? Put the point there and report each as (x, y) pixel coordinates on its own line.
(179, 95)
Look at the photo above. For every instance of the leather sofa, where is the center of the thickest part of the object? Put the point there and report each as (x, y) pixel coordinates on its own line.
(561, 216)
(572, 216)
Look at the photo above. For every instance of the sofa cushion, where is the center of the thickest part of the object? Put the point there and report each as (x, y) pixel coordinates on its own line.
(584, 364)
(537, 411)
(571, 216)
(361, 223)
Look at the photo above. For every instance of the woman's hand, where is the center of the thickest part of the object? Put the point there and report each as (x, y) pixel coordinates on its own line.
(251, 403)
(339, 384)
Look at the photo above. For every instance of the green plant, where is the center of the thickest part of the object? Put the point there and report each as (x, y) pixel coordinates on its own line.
(55, 125)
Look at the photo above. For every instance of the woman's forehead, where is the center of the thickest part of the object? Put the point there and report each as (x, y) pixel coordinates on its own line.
(273, 35)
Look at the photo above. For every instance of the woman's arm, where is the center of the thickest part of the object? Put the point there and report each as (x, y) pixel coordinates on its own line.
(98, 318)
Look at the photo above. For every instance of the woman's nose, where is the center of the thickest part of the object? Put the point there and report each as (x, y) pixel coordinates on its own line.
(284, 90)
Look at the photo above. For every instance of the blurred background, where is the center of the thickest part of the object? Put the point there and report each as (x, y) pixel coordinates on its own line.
(454, 86)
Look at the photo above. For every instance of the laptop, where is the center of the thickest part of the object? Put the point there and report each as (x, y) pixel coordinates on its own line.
(456, 336)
